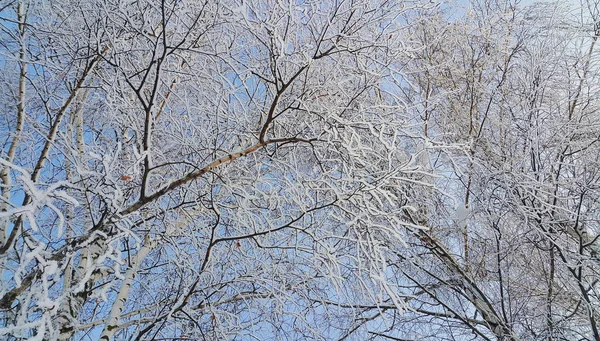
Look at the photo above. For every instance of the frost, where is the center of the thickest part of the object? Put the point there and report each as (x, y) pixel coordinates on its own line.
(245, 169)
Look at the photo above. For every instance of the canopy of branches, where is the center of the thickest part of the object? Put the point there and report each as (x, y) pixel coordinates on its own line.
(299, 170)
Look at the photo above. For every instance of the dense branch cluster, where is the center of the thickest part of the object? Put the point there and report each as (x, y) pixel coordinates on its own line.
(273, 170)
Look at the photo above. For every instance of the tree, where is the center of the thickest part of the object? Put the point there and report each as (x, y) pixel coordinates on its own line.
(201, 170)
(512, 86)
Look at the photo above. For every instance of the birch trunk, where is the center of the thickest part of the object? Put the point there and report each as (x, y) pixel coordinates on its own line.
(112, 324)
(76, 131)
(4, 172)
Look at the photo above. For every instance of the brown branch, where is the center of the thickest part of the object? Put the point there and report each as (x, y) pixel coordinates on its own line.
(201, 172)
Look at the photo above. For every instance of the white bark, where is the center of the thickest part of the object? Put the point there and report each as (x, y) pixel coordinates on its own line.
(112, 324)
(5, 177)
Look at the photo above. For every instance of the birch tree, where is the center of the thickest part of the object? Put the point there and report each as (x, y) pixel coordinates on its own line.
(183, 169)
(512, 87)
